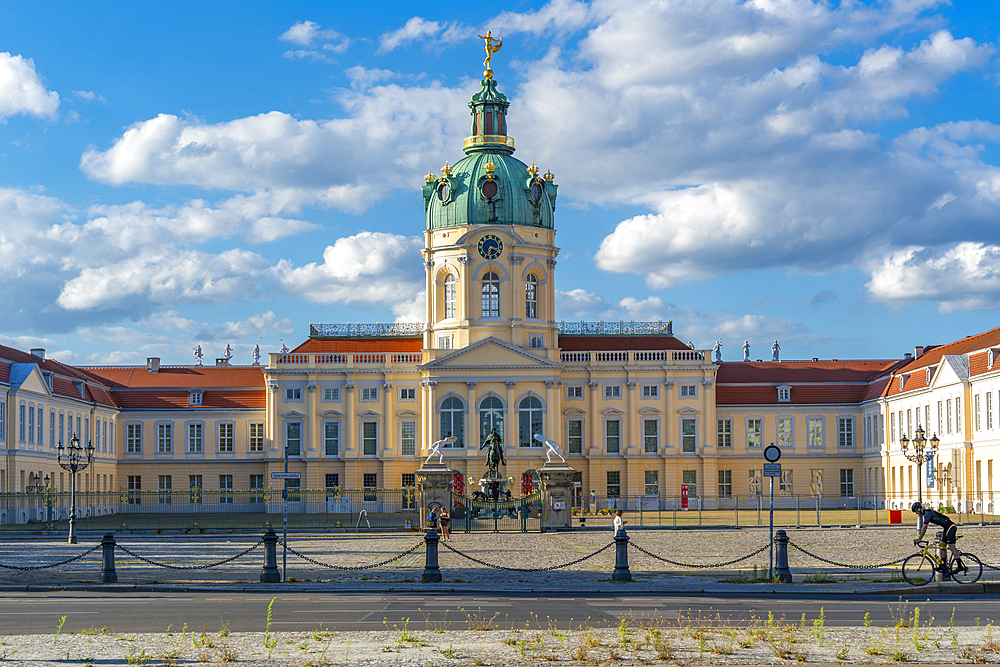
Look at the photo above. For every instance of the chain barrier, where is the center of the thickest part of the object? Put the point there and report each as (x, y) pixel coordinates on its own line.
(352, 567)
(697, 566)
(187, 567)
(851, 567)
(45, 567)
(526, 569)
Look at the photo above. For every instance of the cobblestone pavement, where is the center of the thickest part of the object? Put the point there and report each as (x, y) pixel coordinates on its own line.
(693, 548)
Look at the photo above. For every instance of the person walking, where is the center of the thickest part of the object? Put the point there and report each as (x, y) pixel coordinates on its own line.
(432, 519)
(445, 520)
(619, 523)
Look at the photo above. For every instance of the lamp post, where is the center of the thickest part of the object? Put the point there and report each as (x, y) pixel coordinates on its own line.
(35, 486)
(74, 464)
(923, 449)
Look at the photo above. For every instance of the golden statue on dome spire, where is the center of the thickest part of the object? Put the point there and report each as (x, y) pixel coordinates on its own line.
(490, 49)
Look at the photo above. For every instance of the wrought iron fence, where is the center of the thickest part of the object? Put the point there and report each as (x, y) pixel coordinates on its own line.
(198, 510)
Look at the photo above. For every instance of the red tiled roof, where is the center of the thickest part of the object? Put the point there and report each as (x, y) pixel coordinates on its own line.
(790, 372)
(801, 394)
(4, 372)
(182, 377)
(933, 355)
(169, 399)
(17, 356)
(380, 344)
(876, 388)
(584, 343)
(978, 363)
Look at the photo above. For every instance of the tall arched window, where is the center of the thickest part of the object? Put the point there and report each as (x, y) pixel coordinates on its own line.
(491, 295)
(453, 420)
(529, 421)
(490, 417)
(449, 296)
(531, 297)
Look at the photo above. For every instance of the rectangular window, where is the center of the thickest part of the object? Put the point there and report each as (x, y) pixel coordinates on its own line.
(408, 394)
(369, 393)
(784, 394)
(293, 394)
(689, 390)
(975, 412)
(892, 427)
(989, 411)
(331, 438)
(196, 438)
(195, 398)
(226, 438)
(948, 415)
(52, 430)
(690, 477)
(444, 342)
(369, 438)
(845, 433)
(104, 432)
(754, 482)
(256, 488)
(652, 479)
(613, 391)
(927, 416)
(846, 483)
(816, 433)
(753, 432)
(940, 420)
(331, 394)
(725, 483)
(21, 423)
(958, 419)
(408, 438)
(225, 489)
(332, 480)
(41, 422)
(784, 427)
(164, 484)
(133, 438)
(612, 436)
(134, 490)
(909, 421)
(650, 436)
(3, 421)
(724, 432)
(614, 483)
(785, 483)
(689, 435)
(816, 482)
(650, 391)
(164, 438)
(256, 437)
(574, 436)
(574, 392)
(293, 438)
(537, 342)
(31, 425)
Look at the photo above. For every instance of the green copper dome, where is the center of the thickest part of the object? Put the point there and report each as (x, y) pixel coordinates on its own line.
(489, 186)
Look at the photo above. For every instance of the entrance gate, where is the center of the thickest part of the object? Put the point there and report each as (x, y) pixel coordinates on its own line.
(487, 516)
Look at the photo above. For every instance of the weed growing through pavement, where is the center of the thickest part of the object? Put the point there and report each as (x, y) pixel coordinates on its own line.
(269, 643)
(138, 658)
(62, 622)
(449, 652)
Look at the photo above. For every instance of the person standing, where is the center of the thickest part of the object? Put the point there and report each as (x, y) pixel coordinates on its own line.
(619, 523)
(445, 520)
(432, 519)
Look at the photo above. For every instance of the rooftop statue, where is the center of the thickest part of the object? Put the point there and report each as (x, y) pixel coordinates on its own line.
(255, 355)
(490, 50)
(746, 350)
(198, 354)
(775, 351)
(718, 350)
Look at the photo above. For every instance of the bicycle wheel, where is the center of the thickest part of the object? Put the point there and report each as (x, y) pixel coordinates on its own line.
(918, 570)
(974, 569)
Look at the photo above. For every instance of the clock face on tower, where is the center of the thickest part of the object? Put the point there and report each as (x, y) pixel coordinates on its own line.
(490, 246)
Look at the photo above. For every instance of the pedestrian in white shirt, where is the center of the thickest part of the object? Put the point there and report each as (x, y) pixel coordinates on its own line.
(619, 522)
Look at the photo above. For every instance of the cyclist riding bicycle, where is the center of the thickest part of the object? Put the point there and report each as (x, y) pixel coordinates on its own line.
(949, 533)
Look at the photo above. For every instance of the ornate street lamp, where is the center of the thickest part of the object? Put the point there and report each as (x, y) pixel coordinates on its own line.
(74, 464)
(35, 486)
(923, 449)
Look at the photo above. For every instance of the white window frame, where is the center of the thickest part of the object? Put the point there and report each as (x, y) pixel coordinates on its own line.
(579, 419)
(651, 391)
(164, 445)
(3, 420)
(574, 392)
(608, 421)
(196, 397)
(335, 440)
(786, 441)
(293, 394)
(723, 432)
(809, 432)
(784, 393)
(361, 435)
(220, 438)
(195, 444)
(751, 441)
(444, 342)
(369, 394)
(682, 435)
(253, 440)
(331, 394)
(612, 392)
(687, 390)
(285, 428)
(404, 438)
(848, 432)
(645, 420)
(407, 393)
(133, 440)
(537, 342)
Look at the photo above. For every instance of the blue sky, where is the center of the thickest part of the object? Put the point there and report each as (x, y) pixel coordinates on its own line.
(821, 173)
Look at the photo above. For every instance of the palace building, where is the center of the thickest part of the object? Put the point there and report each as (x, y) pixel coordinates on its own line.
(636, 411)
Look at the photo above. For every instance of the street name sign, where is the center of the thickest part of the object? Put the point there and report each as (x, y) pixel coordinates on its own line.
(286, 475)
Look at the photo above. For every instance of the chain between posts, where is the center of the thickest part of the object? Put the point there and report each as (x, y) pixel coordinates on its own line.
(851, 567)
(697, 566)
(352, 567)
(45, 567)
(187, 567)
(526, 569)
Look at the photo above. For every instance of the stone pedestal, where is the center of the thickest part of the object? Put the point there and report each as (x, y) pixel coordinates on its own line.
(433, 489)
(557, 495)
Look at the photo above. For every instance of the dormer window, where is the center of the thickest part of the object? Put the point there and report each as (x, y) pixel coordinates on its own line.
(930, 372)
(784, 393)
(990, 358)
(195, 398)
(902, 382)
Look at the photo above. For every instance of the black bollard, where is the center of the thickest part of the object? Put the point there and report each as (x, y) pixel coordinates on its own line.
(621, 573)
(108, 574)
(432, 573)
(270, 573)
(781, 571)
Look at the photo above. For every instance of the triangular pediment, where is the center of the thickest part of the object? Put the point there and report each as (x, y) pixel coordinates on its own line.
(35, 382)
(491, 353)
(687, 411)
(292, 414)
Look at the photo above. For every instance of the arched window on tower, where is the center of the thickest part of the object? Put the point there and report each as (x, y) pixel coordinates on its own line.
(491, 295)
(453, 420)
(529, 421)
(490, 417)
(449, 296)
(531, 297)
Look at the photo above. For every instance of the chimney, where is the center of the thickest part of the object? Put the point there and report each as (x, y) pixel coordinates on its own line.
(221, 362)
(153, 364)
(38, 352)
(908, 356)
(815, 358)
(918, 351)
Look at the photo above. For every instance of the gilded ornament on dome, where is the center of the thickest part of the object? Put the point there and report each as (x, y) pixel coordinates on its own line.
(533, 170)
(549, 175)
(490, 49)
(446, 169)
(430, 177)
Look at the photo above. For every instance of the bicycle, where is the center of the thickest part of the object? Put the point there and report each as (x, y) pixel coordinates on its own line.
(919, 569)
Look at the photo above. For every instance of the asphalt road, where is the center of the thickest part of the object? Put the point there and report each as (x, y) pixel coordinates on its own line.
(39, 613)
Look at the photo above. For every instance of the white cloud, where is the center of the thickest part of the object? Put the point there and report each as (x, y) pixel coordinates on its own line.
(417, 29)
(22, 90)
(304, 33)
(89, 96)
(261, 325)
(966, 276)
